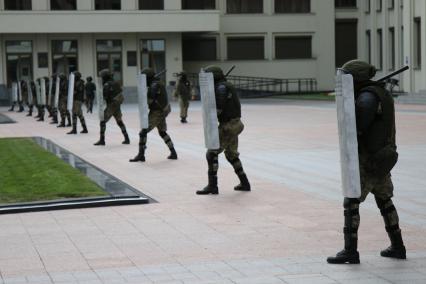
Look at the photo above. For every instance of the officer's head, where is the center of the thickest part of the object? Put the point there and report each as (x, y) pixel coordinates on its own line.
(150, 74)
(89, 79)
(77, 75)
(360, 70)
(62, 76)
(217, 72)
(106, 75)
(182, 75)
(46, 79)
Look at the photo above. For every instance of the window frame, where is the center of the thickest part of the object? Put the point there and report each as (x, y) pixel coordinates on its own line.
(237, 37)
(51, 9)
(150, 9)
(245, 13)
(30, 3)
(107, 9)
(300, 36)
(292, 13)
(216, 40)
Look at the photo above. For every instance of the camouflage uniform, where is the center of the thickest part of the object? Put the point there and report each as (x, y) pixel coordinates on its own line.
(40, 106)
(78, 100)
(24, 90)
(90, 88)
(183, 92)
(159, 108)
(33, 98)
(375, 116)
(63, 102)
(53, 107)
(230, 126)
(113, 95)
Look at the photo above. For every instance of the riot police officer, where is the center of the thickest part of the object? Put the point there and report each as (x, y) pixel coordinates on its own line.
(77, 104)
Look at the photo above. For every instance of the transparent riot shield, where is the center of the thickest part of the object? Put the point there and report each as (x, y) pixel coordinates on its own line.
(143, 101)
(14, 92)
(349, 162)
(19, 91)
(70, 92)
(208, 100)
(30, 93)
(37, 88)
(57, 86)
(43, 92)
(49, 94)
(101, 104)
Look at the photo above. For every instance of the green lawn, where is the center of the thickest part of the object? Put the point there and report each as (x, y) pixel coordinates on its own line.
(310, 97)
(30, 173)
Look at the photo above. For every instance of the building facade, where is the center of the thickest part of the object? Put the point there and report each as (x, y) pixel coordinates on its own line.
(263, 38)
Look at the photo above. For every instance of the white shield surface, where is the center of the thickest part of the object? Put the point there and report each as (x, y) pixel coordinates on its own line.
(37, 87)
(70, 92)
(30, 93)
(208, 100)
(43, 92)
(143, 101)
(14, 92)
(19, 91)
(49, 94)
(100, 99)
(349, 162)
(58, 84)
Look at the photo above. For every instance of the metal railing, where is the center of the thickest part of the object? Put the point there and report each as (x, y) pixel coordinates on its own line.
(261, 86)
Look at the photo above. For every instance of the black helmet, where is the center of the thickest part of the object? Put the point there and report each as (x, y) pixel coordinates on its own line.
(149, 72)
(77, 75)
(62, 76)
(105, 74)
(360, 70)
(89, 79)
(217, 72)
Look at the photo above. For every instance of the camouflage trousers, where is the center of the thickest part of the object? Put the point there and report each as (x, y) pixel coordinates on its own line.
(113, 110)
(184, 105)
(381, 188)
(156, 119)
(63, 111)
(77, 112)
(228, 136)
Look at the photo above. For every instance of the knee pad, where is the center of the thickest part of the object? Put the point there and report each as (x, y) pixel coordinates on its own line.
(162, 133)
(211, 156)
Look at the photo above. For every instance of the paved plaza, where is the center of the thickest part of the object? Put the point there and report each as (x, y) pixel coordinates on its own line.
(281, 232)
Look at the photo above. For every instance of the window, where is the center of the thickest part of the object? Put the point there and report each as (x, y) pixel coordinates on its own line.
(379, 49)
(417, 43)
(345, 3)
(17, 5)
(367, 6)
(368, 47)
(19, 60)
(293, 47)
(391, 4)
(244, 6)
(107, 4)
(63, 4)
(132, 59)
(109, 56)
(292, 6)
(346, 40)
(198, 4)
(198, 48)
(246, 48)
(379, 5)
(42, 60)
(392, 48)
(64, 56)
(151, 4)
(153, 54)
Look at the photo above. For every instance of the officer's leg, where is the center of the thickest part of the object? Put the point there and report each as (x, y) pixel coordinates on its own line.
(119, 119)
(68, 114)
(107, 116)
(140, 157)
(74, 123)
(166, 138)
(390, 216)
(21, 106)
(81, 117)
(232, 155)
(41, 111)
(350, 253)
(63, 114)
(30, 110)
(212, 157)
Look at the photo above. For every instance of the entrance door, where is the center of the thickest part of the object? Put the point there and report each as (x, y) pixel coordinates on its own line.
(109, 56)
(153, 55)
(19, 61)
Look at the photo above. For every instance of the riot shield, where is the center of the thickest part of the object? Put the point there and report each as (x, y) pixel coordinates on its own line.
(58, 84)
(208, 100)
(349, 162)
(100, 99)
(70, 92)
(37, 88)
(20, 97)
(14, 92)
(49, 94)
(143, 101)
(30, 93)
(43, 92)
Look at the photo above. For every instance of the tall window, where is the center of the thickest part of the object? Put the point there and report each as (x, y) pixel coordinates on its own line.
(368, 46)
(379, 5)
(367, 6)
(417, 42)
(392, 48)
(244, 6)
(64, 56)
(109, 56)
(379, 49)
(17, 5)
(198, 4)
(292, 6)
(19, 60)
(293, 47)
(107, 4)
(151, 4)
(63, 5)
(246, 48)
(153, 54)
(345, 3)
(391, 4)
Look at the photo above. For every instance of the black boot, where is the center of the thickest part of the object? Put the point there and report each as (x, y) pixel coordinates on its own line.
(21, 108)
(69, 120)
(397, 248)
(74, 130)
(211, 188)
(173, 154)
(101, 141)
(12, 108)
(84, 131)
(183, 120)
(244, 183)
(62, 124)
(350, 253)
(140, 157)
(126, 139)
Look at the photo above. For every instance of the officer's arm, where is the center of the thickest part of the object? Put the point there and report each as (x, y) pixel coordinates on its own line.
(366, 110)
